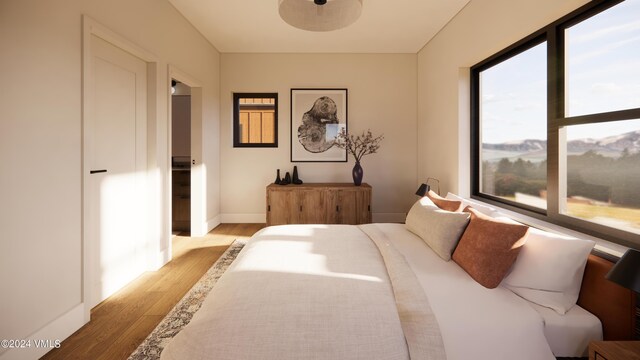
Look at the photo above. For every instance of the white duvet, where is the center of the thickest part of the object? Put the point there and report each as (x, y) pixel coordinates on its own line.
(323, 292)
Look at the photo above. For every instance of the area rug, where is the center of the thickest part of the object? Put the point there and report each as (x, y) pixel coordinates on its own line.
(182, 313)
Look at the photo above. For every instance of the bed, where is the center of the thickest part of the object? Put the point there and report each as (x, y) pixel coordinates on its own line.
(374, 291)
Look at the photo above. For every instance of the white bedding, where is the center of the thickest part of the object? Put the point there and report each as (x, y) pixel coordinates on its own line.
(569, 334)
(293, 272)
(304, 292)
(475, 322)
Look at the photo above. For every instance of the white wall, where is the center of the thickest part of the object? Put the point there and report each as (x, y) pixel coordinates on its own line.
(480, 30)
(40, 147)
(382, 97)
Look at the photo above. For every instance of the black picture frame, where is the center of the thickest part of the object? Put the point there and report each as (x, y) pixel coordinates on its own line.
(317, 115)
(237, 143)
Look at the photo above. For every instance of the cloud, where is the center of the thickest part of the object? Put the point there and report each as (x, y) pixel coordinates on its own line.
(614, 30)
(487, 98)
(606, 88)
(526, 106)
(494, 98)
(601, 50)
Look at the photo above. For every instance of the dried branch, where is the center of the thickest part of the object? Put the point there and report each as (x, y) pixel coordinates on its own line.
(359, 145)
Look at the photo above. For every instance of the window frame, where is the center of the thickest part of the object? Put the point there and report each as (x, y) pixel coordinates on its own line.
(236, 120)
(521, 46)
(557, 121)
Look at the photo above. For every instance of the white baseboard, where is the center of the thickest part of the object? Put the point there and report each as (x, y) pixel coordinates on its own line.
(388, 217)
(212, 223)
(57, 330)
(243, 218)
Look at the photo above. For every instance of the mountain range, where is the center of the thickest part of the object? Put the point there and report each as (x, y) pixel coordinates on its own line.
(535, 150)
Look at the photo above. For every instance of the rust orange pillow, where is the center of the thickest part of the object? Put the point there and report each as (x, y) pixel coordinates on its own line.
(489, 247)
(444, 204)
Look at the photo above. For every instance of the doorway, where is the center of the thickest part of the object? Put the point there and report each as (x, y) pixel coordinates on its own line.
(199, 225)
(180, 158)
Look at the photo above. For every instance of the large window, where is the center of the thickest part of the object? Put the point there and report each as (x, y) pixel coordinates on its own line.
(556, 123)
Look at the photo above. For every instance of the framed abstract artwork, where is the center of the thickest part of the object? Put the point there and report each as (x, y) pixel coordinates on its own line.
(317, 115)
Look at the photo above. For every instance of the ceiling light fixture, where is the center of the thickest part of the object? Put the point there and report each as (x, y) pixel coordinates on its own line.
(320, 15)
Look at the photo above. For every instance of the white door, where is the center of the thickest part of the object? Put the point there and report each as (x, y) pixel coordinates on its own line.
(115, 164)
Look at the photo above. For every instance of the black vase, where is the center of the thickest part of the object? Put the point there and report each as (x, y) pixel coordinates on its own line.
(296, 180)
(286, 180)
(278, 181)
(357, 173)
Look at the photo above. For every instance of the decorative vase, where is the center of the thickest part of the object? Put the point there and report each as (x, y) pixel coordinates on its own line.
(357, 173)
(278, 181)
(296, 180)
(286, 180)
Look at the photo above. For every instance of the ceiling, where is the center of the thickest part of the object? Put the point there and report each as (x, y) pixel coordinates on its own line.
(386, 26)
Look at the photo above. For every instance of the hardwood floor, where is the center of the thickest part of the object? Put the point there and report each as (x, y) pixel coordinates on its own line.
(121, 322)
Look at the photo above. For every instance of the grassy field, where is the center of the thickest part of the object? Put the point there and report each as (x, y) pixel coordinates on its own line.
(590, 212)
(606, 215)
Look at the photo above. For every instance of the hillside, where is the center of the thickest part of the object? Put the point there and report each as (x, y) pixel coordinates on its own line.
(535, 150)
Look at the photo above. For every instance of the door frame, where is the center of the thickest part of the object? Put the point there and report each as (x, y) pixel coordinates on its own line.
(92, 28)
(198, 171)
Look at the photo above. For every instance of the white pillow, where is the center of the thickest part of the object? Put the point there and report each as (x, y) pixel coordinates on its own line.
(549, 270)
(487, 210)
(440, 229)
(503, 217)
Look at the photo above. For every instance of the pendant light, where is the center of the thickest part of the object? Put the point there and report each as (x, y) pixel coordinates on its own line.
(320, 15)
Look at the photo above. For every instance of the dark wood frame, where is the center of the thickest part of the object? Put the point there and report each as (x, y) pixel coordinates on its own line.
(614, 305)
(236, 120)
(556, 119)
(294, 131)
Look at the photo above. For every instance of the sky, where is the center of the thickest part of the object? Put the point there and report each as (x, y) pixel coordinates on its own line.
(603, 73)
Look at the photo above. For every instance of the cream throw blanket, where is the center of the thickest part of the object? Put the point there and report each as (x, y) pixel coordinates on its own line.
(313, 292)
(418, 321)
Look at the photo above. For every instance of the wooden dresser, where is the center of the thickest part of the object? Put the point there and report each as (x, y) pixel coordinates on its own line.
(319, 203)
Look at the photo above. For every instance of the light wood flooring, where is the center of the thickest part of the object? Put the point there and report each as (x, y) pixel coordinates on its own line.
(121, 322)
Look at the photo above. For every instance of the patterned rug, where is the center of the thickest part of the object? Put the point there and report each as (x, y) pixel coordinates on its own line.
(182, 313)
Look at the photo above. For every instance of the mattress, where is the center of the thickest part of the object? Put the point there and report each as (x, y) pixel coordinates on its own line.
(568, 335)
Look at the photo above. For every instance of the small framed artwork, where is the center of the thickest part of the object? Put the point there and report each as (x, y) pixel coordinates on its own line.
(255, 120)
(317, 115)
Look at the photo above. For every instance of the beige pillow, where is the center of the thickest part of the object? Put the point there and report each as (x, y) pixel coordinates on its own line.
(489, 247)
(445, 204)
(440, 229)
(485, 209)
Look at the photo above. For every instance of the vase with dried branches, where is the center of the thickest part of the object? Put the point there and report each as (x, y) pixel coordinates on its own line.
(358, 146)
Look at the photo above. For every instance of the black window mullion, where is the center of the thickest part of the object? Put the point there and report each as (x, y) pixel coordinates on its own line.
(629, 114)
(555, 110)
(475, 132)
